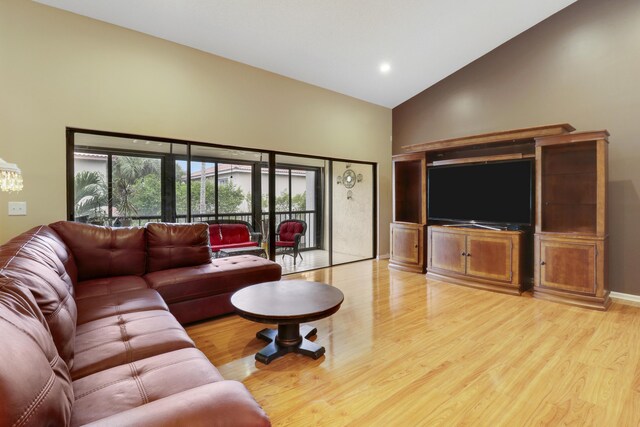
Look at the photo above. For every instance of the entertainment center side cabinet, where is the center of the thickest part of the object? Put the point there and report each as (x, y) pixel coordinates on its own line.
(566, 259)
(408, 229)
(571, 239)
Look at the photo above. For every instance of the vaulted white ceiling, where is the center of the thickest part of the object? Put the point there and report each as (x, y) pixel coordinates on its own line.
(335, 44)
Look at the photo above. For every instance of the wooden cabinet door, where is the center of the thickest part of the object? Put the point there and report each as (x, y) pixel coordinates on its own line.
(405, 244)
(489, 258)
(568, 266)
(448, 251)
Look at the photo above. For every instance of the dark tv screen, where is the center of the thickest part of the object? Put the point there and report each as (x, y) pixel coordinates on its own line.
(497, 193)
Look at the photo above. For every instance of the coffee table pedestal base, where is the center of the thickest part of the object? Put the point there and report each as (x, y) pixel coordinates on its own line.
(288, 339)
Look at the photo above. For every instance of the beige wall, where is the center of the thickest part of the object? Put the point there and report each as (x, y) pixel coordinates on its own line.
(58, 69)
(581, 66)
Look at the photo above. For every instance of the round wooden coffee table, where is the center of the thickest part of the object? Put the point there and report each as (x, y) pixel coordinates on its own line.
(287, 303)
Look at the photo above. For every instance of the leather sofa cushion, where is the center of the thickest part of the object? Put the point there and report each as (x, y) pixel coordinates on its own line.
(43, 243)
(177, 245)
(104, 251)
(90, 309)
(235, 233)
(219, 404)
(126, 338)
(108, 286)
(219, 276)
(234, 245)
(138, 383)
(33, 259)
(35, 388)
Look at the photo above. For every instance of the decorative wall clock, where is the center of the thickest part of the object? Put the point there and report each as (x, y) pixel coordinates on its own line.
(349, 179)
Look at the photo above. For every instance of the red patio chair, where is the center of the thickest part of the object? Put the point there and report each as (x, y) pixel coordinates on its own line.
(288, 236)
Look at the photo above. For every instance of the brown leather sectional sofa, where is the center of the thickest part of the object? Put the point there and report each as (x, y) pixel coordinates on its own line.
(86, 335)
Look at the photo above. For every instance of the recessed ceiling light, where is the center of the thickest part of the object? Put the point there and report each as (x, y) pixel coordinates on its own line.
(385, 67)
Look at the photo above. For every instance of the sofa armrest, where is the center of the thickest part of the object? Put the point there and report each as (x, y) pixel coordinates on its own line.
(256, 237)
(225, 403)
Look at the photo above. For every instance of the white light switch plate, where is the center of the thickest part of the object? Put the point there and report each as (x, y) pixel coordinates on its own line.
(17, 208)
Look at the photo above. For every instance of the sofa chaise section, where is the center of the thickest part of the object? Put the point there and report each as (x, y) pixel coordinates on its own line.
(188, 291)
(194, 285)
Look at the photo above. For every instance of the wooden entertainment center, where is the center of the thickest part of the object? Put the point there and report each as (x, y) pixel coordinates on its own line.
(564, 255)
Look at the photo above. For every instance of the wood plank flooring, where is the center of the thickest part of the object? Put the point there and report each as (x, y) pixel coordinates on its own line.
(405, 351)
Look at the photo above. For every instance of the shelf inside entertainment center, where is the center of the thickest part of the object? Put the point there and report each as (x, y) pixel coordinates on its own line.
(566, 259)
(408, 229)
(569, 188)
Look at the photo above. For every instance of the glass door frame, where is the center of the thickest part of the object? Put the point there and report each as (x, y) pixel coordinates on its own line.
(215, 160)
(126, 153)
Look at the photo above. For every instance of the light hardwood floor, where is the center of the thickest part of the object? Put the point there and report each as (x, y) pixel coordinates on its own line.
(404, 351)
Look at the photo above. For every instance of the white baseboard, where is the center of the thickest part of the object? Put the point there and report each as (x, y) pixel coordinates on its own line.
(385, 256)
(625, 297)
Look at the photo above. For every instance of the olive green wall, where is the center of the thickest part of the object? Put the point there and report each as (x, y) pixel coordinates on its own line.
(580, 66)
(58, 69)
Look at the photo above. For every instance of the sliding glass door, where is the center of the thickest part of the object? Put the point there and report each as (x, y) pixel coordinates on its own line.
(300, 213)
(353, 193)
(122, 181)
(321, 211)
(222, 183)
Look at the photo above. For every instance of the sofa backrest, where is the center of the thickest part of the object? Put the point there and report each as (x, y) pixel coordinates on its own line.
(35, 386)
(33, 258)
(104, 251)
(215, 234)
(177, 245)
(235, 233)
(229, 231)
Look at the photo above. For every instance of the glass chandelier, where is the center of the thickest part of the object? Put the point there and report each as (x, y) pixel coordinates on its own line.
(10, 177)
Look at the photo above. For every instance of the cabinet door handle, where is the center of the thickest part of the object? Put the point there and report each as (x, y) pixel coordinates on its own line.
(463, 254)
(542, 263)
(468, 254)
(415, 246)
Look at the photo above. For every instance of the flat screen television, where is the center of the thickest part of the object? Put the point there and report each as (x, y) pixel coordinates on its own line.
(491, 193)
